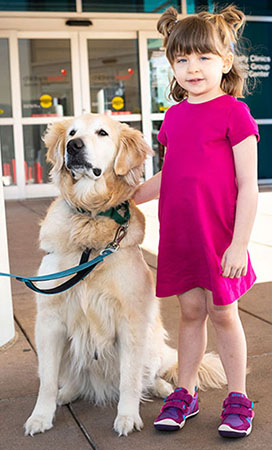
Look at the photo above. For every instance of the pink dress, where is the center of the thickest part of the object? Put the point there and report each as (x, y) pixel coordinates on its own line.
(198, 197)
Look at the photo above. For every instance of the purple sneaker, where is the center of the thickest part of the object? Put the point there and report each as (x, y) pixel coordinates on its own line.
(236, 416)
(178, 407)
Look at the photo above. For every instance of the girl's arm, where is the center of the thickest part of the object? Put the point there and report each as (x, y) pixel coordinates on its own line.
(234, 261)
(148, 190)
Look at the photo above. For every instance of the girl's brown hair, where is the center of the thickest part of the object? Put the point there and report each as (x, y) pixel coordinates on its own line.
(206, 32)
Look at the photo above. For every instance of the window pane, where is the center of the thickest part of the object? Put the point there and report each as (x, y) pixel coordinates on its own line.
(38, 5)
(157, 147)
(265, 152)
(46, 78)
(7, 155)
(259, 65)
(160, 76)
(5, 91)
(36, 168)
(136, 125)
(133, 6)
(250, 7)
(114, 76)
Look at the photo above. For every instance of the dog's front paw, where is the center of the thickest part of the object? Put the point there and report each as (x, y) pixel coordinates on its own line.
(37, 423)
(125, 424)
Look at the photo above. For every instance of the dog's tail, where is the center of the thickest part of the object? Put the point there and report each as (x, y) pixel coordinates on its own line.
(210, 374)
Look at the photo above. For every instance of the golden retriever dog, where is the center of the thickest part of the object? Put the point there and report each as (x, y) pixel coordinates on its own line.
(102, 340)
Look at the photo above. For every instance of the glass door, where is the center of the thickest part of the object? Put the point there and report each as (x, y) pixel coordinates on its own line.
(40, 85)
(155, 76)
(65, 74)
(111, 75)
(48, 71)
(55, 75)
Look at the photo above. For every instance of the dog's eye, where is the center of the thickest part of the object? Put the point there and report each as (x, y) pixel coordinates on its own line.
(72, 133)
(102, 132)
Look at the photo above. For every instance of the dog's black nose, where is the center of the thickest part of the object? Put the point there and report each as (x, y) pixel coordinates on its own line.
(74, 146)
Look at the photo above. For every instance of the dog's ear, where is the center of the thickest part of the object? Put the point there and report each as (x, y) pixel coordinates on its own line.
(132, 152)
(54, 139)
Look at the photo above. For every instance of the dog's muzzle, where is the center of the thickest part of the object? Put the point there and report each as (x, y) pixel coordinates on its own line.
(76, 159)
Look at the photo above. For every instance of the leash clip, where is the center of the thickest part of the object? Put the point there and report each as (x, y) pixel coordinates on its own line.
(115, 244)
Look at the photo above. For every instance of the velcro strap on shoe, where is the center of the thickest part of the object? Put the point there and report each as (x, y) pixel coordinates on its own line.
(241, 401)
(175, 404)
(240, 410)
(180, 396)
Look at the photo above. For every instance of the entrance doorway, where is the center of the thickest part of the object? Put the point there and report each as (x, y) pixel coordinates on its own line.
(60, 75)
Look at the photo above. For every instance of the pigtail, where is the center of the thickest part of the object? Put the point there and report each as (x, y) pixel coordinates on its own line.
(229, 24)
(166, 23)
(235, 20)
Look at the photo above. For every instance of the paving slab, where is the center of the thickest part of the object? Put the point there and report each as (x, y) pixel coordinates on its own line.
(23, 240)
(19, 386)
(200, 433)
(258, 301)
(18, 369)
(14, 413)
(24, 307)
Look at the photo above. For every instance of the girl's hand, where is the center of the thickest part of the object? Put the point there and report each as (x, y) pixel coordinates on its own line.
(234, 261)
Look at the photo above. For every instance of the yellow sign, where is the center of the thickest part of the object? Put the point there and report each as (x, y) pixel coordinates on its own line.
(2, 111)
(118, 102)
(46, 101)
(164, 108)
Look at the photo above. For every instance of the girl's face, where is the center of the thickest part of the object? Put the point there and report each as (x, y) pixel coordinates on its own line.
(201, 74)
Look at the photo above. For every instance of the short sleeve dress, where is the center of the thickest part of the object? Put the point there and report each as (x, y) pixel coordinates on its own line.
(198, 197)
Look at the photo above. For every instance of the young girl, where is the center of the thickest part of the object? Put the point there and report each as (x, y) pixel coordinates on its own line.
(208, 198)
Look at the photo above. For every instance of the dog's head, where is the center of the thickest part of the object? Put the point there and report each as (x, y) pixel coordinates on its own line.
(95, 155)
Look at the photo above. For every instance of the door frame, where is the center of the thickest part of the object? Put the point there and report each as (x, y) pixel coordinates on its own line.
(143, 78)
(81, 97)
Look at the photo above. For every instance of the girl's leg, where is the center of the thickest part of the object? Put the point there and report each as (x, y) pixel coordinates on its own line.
(192, 336)
(231, 342)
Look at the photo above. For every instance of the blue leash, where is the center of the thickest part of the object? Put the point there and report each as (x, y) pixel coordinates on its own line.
(81, 271)
(85, 266)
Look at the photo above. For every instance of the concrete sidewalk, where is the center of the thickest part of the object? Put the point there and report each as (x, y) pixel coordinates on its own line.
(83, 426)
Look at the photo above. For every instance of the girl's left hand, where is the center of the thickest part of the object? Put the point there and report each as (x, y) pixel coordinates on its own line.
(234, 261)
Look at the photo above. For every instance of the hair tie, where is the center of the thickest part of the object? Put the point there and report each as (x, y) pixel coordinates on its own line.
(232, 46)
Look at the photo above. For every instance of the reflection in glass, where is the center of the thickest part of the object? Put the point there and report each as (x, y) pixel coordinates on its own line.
(136, 125)
(5, 91)
(46, 79)
(7, 155)
(133, 6)
(250, 7)
(114, 77)
(157, 147)
(36, 167)
(265, 154)
(34, 5)
(160, 76)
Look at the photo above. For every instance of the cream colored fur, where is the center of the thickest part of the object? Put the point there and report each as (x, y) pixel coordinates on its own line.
(103, 340)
